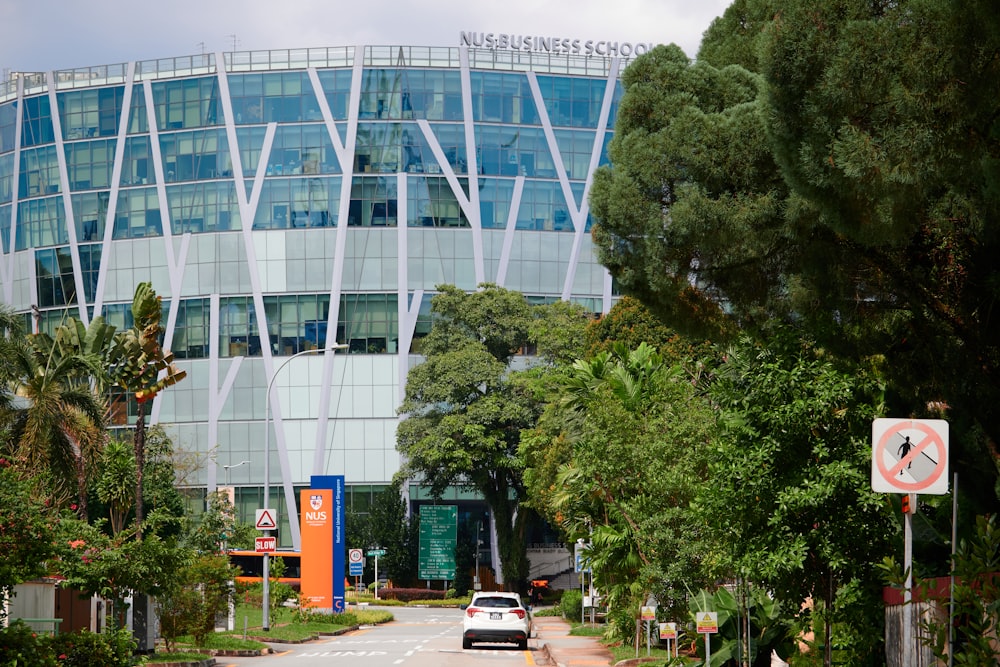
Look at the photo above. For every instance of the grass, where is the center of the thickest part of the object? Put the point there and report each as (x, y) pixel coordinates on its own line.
(578, 629)
(285, 626)
(628, 652)
(587, 629)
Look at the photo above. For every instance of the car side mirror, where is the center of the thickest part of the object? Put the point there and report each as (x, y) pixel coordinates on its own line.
(463, 607)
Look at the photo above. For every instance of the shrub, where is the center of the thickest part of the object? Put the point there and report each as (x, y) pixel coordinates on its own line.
(410, 594)
(571, 603)
(89, 649)
(22, 646)
(196, 598)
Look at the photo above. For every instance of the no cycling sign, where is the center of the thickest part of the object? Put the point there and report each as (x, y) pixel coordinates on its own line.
(910, 456)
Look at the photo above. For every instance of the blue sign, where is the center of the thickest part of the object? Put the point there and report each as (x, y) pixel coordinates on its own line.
(357, 569)
(336, 484)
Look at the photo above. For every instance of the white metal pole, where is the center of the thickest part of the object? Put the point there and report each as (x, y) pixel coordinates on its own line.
(266, 621)
(376, 576)
(951, 586)
(907, 635)
(708, 648)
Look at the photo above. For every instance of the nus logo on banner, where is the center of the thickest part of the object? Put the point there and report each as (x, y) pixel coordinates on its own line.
(316, 513)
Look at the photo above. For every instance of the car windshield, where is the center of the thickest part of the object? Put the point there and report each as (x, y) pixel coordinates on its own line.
(497, 603)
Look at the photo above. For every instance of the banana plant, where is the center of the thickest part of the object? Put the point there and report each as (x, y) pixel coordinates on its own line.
(140, 366)
(768, 630)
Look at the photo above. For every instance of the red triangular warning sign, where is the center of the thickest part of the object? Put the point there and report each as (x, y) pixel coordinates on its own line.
(265, 521)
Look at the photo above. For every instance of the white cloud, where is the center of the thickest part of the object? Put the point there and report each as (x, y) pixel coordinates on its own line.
(38, 35)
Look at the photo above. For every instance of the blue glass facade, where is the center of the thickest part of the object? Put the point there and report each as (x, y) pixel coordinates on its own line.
(283, 201)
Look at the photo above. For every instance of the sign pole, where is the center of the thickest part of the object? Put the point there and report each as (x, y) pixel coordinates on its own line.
(908, 592)
(708, 648)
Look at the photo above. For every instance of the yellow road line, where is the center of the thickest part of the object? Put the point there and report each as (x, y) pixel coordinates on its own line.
(529, 658)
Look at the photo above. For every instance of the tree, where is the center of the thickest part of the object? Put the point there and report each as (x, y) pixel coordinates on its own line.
(193, 601)
(114, 567)
(27, 531)
(58, 428)
(631, 432)
(398, 535)
(465, 409)
(789, 487)
(140, 366)
(116, 484)
(631, 323)
(831, 164)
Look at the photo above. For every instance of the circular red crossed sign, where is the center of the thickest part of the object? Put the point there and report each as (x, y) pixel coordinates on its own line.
(891, 474)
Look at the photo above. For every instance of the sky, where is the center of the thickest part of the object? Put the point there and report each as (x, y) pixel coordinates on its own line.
(43, 35)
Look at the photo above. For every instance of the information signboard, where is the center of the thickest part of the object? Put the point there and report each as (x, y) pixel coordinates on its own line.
(438, 536)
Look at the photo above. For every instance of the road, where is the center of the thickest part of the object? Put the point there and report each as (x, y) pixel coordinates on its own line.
(419, 637)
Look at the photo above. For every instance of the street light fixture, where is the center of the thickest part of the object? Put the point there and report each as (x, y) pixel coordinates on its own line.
(231, 494)
(229, 467)
(266, 621)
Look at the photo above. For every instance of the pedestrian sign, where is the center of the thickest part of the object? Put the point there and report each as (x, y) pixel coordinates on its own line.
(910, 456)
(707, 621)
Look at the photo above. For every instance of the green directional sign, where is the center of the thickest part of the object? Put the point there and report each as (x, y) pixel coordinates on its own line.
(438, 536)
(376, 552)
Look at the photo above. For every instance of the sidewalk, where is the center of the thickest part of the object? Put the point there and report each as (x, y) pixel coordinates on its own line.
(551, 636)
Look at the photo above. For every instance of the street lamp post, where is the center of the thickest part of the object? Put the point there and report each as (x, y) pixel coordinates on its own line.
(229, 489)
(266, 621)
(229, 467)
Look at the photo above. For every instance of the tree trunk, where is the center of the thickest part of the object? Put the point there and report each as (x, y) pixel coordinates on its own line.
(140, 459)
(510, 543)
(828, 626)
(81, 487)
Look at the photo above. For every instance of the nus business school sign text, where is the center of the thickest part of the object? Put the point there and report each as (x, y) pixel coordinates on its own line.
(560, 45)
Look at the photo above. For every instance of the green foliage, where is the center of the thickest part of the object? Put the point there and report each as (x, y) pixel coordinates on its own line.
(387, 525)
(192, 602)
(55, 433)
(139, 366)
(977, 600)
(770, 629)
(465, 409)
(20, 646)
(217, 521)
(630, 323)
(87, 649)
(97, 564)
(620, 412)
(571, 604)
(832, 165)
(27, 530)
(789, 491)
(116, 483)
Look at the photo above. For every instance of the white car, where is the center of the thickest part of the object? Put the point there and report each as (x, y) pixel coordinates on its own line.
(496, 617)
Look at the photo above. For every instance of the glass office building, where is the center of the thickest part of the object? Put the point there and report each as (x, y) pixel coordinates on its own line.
(285, 201)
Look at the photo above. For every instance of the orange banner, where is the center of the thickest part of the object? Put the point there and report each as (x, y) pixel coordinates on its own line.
(317, 547)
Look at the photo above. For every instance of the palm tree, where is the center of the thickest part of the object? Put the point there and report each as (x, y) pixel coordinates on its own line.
(54, 421)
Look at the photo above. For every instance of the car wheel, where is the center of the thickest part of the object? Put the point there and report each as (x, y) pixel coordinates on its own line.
(466, 643)
(523, 644)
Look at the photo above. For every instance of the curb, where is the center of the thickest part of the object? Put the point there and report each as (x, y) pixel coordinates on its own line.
(632, 662)
(330, 633)
(200, 663)
(544, 649)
